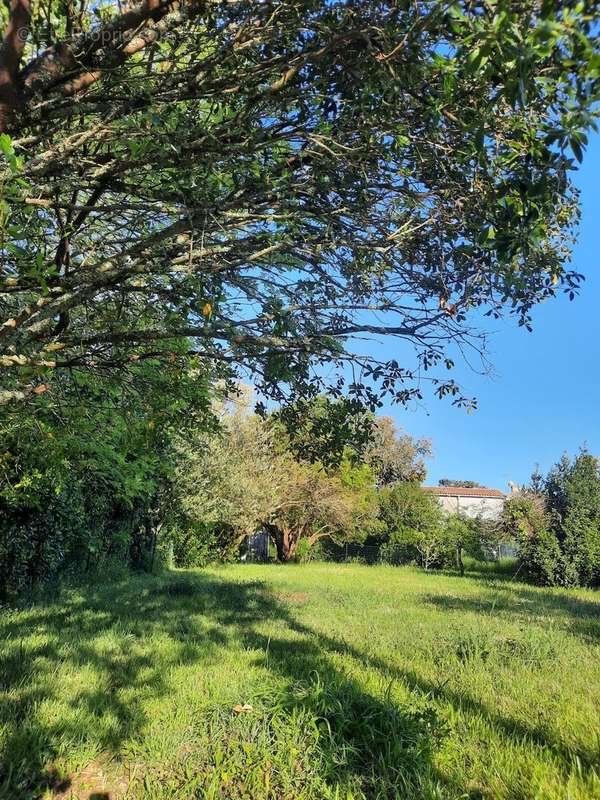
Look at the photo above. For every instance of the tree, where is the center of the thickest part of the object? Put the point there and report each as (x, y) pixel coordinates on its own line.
(327, 430)
(413, 524)
(271, 182)
(580, 527)
(229, 480)
(415, 527)
(339, 504)
(561, 523)
(462, 534)
(82, 479)
(526, 521)
(247, 478)
(554, 488)
(396, 456)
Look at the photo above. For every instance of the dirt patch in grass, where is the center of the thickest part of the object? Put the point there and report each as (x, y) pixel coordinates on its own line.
(98, 781)
(296, 598)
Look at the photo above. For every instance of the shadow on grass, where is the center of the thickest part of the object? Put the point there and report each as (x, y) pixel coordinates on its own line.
(502, 569)
(575, 615)
(371, 743)
(516, 731)
(362, 740)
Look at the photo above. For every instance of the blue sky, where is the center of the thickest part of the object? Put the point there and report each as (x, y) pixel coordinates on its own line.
(544, 395)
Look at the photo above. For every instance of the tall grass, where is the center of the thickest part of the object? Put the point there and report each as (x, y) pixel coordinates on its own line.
(310, 681)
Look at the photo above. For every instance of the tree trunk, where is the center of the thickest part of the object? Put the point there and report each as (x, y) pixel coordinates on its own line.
(153, 541)
(284, 540)
(459, 562)
(288, 546)
(11, 52)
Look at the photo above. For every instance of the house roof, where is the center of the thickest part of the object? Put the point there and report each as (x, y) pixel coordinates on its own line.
(463, 491)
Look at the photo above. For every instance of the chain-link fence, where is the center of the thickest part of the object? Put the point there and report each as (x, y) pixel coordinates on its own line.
(396, 554)
(259, 549)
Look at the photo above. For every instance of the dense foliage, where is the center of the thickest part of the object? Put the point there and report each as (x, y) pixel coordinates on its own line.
(100, 471)
(454, 482)
(271, 181)
(415, 529)
(81, 478)
(322, 429)
(250, 476)
(194, 192)
(557, 523)
(526, 521)
(247, 478)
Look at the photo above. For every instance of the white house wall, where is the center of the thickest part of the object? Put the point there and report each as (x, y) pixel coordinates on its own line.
(484, 507)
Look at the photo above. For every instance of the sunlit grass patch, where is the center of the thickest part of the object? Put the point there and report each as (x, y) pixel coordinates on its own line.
(317, 681)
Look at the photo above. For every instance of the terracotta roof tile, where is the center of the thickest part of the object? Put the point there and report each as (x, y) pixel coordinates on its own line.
(463, 491)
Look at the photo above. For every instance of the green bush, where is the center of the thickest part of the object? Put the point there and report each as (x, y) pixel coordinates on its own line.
(580, 525)
(70, 531)
(412, 524)
(526, 520)
(197, 544)
(557, 524)
(397, 553)
(81, 470)
(303, 551)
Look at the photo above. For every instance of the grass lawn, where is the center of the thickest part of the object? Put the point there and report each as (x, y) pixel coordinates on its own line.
(360, 682)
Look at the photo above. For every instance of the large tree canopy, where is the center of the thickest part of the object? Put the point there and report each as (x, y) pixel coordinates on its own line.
(271, 180)
(247, 477)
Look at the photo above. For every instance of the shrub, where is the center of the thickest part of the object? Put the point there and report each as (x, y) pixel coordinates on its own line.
(580, 526)
(557, 525)
(197, 544)
(413, 526)
(525, 519)
(80, 471)
(398, 552)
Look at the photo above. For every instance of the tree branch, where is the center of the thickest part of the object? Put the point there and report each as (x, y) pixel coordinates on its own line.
(11, 52)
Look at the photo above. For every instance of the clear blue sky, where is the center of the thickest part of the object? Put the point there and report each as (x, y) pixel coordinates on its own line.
(544, 397)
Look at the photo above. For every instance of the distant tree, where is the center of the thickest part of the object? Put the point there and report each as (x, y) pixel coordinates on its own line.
(413, 525)
(463, 534)
(537, 481)
(555, 488)
(580, 526)
(325, 429)
(396, 456)
(562, 520)
(527, 521)
(340, 505)
(407, 505)
(431, 543)
(247, 478)
(228, 481)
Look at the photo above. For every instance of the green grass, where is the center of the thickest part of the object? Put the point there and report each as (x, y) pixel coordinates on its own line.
(364, 682)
